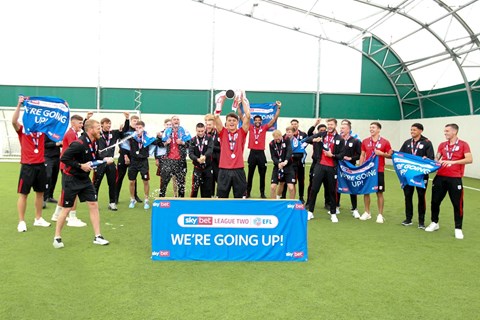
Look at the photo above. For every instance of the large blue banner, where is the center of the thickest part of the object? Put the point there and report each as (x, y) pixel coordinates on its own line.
(412, 169)
(49, 115)
(229, 230)
(358, 180)
(265, 110)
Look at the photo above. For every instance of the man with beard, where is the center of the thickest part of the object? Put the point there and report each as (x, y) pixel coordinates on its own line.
(256, 143)
(211, 132)
(79, 159)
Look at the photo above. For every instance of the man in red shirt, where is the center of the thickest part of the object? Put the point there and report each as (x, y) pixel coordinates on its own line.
(453, 155)
(379, 146)
(32, 172)
(76, 126)
(256, 144)
(232, 143)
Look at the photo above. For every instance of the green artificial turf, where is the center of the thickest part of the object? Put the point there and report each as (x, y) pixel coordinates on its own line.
(356, 269)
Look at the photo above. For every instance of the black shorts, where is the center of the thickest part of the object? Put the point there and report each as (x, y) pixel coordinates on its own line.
(32, 176)
(381, 182)
(288, 175)
(73, 187)
(137, 166)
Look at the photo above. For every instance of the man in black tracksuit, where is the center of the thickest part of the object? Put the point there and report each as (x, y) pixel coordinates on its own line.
(317, 153)
(353, 150)
(326, 169)
(211, 131)
(52, 167)
(124, 162)
(108, 138)
(420, 146)
(200, 151)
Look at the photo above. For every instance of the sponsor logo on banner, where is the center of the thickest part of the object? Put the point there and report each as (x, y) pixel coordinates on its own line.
(227, 221)
(295, 254)
(164, 204)
(161, 253)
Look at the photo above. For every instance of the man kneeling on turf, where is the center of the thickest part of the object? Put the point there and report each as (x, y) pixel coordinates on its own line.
(79, 160)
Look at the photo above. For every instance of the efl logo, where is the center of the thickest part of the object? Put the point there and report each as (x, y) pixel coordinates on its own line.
(165, 204)
(299, 206)
(164, 253)
(298, 254)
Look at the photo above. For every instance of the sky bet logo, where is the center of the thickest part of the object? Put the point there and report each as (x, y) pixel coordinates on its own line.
(198, 220)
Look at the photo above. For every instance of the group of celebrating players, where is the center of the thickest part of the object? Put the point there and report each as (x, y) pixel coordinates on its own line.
(216, 151)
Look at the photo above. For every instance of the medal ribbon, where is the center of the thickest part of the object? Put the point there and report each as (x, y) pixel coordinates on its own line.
(107, 141)
(278, 150)
(454, 148)
(92, 147)
(256, 134)
(35, 140)
(232, 139)
(200, 145)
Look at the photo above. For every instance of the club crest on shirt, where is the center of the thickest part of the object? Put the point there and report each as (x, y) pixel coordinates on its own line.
(337, 142)
(350, 144)
(420, 146)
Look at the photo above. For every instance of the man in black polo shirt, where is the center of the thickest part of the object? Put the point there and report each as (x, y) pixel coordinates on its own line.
(420, 146)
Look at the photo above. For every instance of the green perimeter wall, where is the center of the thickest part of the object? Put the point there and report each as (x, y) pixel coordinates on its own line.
(296, 104)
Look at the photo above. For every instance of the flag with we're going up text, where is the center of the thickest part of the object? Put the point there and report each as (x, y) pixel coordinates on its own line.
(358, 180)
(411, 169)
(50, 115)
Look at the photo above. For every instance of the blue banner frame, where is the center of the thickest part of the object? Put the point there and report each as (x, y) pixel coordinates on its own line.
(229, 230)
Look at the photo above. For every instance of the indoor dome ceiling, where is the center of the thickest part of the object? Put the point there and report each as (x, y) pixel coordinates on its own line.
(434, 39)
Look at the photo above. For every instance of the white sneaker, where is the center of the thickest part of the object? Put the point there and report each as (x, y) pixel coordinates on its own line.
(356, 214)
(41, 223)
(459, 234)
(310, 215)
(57, 243)
(22, 226)
(75, 222)
(100, 240)
(146, 206)
(334, 218)
(365, 216)
(112, 206)
(132, 204)
(432, 227)
(380, 218)
(337, 210)
(54, 216)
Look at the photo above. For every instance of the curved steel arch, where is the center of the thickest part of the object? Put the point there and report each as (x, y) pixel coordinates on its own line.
(426, 27)
(334, 20)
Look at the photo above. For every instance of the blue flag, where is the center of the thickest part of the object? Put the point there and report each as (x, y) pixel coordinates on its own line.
(49, 115)
(411, 169)
(358, 180)
(265, 110)
(182, 134)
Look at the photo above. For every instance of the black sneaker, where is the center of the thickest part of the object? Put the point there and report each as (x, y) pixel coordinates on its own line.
(52, 200)
(407, 223)
(421, 226)
(138, 199)
(263, 196)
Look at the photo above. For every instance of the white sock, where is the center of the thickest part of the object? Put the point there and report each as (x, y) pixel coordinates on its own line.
(73, 214)
(58, 209)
